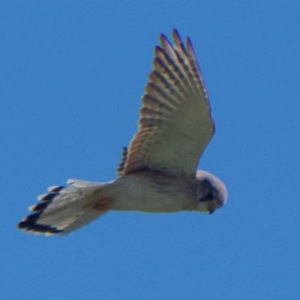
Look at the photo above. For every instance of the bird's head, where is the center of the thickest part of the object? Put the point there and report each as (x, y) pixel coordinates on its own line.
(211, 192)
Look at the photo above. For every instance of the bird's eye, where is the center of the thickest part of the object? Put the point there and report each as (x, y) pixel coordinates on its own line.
(207, 191)
(210, 196)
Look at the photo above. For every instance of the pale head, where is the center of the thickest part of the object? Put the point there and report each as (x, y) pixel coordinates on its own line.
(211, 192)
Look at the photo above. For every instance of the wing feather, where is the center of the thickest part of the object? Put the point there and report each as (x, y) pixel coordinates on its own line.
(175, 122)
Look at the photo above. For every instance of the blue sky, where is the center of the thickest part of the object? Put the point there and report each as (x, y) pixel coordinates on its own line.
(72, 73)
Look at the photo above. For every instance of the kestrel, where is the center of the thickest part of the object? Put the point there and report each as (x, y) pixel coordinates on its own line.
(158, 172)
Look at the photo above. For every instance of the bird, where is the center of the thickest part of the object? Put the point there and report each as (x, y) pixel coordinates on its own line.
(158, 170)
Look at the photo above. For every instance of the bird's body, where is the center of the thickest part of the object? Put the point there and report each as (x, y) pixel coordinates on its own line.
(171, 192)
(158, 172)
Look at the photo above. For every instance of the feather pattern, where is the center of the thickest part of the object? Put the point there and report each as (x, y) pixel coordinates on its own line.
(66, 208)
(175, 122)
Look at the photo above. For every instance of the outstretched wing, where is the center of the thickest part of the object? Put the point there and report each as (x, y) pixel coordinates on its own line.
(175, 119)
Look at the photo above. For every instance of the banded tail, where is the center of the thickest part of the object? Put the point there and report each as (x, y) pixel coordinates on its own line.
(66, 208)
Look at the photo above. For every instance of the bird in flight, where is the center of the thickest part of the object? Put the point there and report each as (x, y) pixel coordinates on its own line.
(158, 171)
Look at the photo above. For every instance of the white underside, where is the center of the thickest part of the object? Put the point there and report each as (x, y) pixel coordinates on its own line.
(148, 194)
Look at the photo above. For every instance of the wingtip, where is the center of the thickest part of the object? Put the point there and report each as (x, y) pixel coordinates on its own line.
(162, 38)
(175, 34)
(190, 48)
(167, 46)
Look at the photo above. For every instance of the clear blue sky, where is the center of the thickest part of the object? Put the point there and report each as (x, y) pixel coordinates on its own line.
(72, 73)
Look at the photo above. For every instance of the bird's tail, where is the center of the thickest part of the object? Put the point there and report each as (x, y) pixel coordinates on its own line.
(66, 208)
